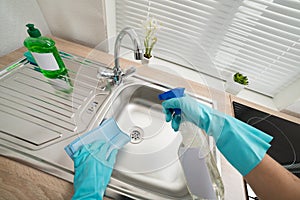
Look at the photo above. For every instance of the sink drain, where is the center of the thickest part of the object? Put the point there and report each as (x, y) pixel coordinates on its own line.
(136, 135)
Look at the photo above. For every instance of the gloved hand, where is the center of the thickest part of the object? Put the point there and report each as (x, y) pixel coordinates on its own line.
(242, 145)
(92, 170)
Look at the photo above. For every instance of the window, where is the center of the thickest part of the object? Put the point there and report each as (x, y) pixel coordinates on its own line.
(259, 38)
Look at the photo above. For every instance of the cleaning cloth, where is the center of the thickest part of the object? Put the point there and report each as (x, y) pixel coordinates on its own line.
(108, 131)
(94, 155)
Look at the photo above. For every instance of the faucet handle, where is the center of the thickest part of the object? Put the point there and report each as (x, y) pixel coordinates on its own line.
(129, 72)
(106, 74)
(116, 76)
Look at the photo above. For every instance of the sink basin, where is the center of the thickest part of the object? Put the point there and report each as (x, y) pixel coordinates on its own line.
(147, 167)
(149, 161)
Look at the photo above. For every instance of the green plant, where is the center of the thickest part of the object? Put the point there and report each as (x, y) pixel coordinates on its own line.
(151, 26)
(240, 78)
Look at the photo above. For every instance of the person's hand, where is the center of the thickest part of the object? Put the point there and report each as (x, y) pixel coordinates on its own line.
(193, 111)
(92, 170)
(243, 145)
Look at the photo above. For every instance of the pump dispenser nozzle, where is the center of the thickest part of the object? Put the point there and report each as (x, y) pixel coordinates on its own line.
(32, 31)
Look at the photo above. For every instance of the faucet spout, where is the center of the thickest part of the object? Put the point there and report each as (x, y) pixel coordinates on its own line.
(138, 51)
(116, 75)
(138, 54)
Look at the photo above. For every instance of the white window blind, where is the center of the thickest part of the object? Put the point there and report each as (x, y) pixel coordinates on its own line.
(259, 38)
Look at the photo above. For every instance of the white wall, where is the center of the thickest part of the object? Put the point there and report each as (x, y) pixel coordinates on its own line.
(82, 21)
(14, 15)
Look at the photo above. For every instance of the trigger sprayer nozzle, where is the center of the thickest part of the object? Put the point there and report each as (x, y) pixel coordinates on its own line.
(174, 93)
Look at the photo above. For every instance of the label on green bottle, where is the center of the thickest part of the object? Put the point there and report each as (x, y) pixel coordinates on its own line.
(46, 61)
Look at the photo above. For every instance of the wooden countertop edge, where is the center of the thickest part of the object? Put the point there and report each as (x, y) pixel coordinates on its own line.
(18, 181)
(11, 57)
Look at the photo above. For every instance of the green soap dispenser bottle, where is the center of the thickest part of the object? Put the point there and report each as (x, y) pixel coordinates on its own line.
(45, 53)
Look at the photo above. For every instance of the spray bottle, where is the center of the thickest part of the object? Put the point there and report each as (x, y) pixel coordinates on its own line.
(198, 164)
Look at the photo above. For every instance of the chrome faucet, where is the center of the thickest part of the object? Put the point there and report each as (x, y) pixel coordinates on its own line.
(117, 74)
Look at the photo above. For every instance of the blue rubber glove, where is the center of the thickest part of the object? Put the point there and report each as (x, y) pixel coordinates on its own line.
(242, 145)
(92, 170)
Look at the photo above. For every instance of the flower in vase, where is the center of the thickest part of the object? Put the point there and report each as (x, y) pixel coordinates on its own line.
(151, 27)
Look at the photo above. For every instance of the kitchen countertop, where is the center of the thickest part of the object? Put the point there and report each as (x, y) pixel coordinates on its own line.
(18, 181)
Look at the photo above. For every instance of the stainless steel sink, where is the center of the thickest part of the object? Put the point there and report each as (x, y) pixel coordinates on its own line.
(150, 161)
(39, 121)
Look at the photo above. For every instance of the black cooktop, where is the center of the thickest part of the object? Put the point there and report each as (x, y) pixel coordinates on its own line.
(285, 147)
